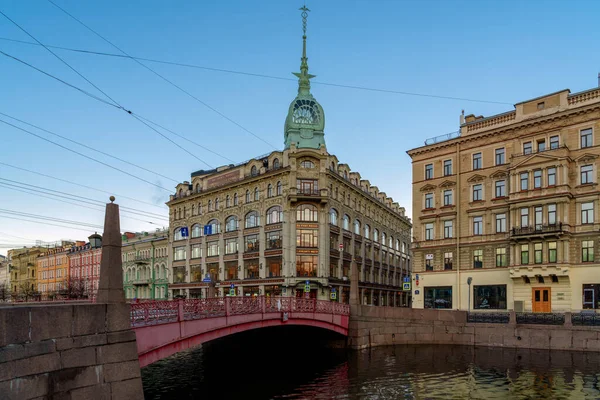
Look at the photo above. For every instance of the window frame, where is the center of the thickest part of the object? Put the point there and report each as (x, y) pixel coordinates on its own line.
(477, 161)
(428, 171)
(588, 134)
(500, 156)
(448, 167)
(588, 174)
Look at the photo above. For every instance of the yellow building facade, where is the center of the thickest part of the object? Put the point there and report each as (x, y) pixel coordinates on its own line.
(53, 270)
(22, 271)
(506, 211)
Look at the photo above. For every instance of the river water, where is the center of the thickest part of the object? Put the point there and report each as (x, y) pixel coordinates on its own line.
(295, 366)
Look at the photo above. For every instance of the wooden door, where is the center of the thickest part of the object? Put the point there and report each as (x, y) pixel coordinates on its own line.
(541, 300)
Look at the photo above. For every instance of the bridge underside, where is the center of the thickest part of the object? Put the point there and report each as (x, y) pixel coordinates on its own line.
(156, 342)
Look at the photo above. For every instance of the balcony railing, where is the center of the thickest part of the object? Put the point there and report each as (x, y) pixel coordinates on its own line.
(535, 151)
(309, 192)
(540, 318)
(586, 318)
(489, 317)
(537, 229)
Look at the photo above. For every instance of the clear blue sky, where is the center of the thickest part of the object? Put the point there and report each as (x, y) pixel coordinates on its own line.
(503, 51)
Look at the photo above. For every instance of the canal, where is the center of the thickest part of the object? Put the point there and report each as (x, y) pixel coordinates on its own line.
(295, 364)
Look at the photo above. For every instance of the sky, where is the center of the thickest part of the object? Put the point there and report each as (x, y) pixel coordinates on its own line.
(488, 55)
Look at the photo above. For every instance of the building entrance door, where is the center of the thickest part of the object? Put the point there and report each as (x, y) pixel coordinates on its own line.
(541, 300)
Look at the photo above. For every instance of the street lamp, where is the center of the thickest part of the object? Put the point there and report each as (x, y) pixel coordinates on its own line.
(469, 280)
(95, 241)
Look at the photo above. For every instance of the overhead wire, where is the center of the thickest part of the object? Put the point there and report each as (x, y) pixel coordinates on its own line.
(163, 77)
(245, 73)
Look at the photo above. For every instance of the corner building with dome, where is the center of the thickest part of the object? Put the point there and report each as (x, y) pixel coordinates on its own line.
(292, 223)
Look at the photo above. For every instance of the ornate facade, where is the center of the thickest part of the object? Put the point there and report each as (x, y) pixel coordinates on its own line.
(506, 212)
(145, 261)
(290, 223)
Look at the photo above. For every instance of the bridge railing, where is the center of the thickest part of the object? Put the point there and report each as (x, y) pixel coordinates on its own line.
(161, 312)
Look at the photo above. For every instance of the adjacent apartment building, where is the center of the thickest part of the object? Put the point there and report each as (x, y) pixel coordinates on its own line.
(84, 261)
(22, 270)
(145, 265)
(290, 223)
(53, 270)
(505, 211)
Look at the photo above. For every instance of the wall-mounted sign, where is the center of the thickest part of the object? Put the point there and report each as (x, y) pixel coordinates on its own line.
(406, 286)
(429, 256)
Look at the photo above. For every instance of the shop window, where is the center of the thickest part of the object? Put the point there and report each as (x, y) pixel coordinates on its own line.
(438, 297)
(492, 297)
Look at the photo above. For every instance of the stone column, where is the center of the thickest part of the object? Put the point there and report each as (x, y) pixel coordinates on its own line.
(110, 289)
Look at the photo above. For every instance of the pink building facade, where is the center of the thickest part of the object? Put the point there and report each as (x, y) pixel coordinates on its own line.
(85, 261)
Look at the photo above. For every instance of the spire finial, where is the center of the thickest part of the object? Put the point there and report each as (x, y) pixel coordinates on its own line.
(304, 76)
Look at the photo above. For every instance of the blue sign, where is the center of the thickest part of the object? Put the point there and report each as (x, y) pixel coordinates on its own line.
(185, 232)
(207, 278)
(333, 290)
(232, 286)
(207, 230)
(406, 279)
(417, 291)
(308, 282)
(417, 276)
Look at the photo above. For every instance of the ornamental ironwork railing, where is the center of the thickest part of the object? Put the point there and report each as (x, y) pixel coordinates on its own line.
(540, 318)
(162, 312)
(488, 317)
(537, 229)
(586, 318)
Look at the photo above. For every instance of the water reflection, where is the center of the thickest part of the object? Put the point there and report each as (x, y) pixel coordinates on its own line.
(250, 368)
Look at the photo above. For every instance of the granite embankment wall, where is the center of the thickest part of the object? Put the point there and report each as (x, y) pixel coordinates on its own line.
(71, 351)
(379, 326)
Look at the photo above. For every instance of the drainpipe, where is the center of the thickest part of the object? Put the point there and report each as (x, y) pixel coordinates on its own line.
(458, 215)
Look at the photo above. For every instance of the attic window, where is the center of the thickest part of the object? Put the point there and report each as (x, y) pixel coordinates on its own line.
(253, 171)
(541, 105)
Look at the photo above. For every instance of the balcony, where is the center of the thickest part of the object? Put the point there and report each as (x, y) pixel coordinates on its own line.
(548, 230)
(307, 193)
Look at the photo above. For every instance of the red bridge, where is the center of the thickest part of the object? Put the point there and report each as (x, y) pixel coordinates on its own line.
(164, 328)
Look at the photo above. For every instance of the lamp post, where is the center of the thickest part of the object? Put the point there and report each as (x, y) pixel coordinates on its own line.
(469, 280)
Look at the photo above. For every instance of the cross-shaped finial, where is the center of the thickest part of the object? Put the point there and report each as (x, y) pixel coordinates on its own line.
(304, 14)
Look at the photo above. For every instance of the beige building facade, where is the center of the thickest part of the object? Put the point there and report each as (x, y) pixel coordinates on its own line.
(506, 211)
(145, 265)
(290, 223)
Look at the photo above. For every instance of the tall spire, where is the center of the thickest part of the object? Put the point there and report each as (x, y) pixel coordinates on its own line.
(303, 76)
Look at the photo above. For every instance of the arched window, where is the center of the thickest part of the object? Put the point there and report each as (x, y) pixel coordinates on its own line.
(235, 199)
(307, 213)
(227, 201)
(253, 171)
(177, 234)
(274, 215)
(391, 242)
(180, 192)
(398, 244)
(196, 230)
(279, 189)
(345, 174)
(210, 205)
(256, 196)
(307, 164)
(199, 208)
(247, 196)
(276, 163)
(383, 242)
(333, 217)
(231, 224)
(251, 220)
(332, 167)
(356, 227)
(217, 203)
(197, 188)
(270, 190)
(375, 235)
(214, 227)
(346, 222)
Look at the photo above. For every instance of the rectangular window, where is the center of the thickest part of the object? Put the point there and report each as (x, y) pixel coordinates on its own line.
(524, 217)
(212, 249)
(587, 250)
(305, 186)
(586, 174)
(537, 179)
(438, 297)
(447, 229)
(501, 257)
(429, 231)
(537, 253)
(554, 142)
(500, 223)
(552, 176)
(447, 167)
(179, 253)
(429, 200)
(500, 188)
(429, 171)
(274, 240)
(477, 192)
(274, 265)
(428, 265)
(587, 213)
(524, 254)
(231, 246)
(231, 270)
(551, 214)
(537, 216)
(586, 138)
(251, 243)
(500, 156)
(527, 148)
(591, 296)
(477, 161)
(491, 297)
(306, 265)
(551, 252)
(541, 145)
(310, 238)
(478, 258)
(447, 197)
(524, 180)
(477, 225)
(448, 261)
(196, 251)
